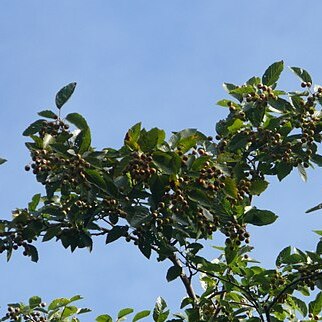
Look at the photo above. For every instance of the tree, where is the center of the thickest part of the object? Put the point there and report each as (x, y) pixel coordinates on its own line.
(168, 196)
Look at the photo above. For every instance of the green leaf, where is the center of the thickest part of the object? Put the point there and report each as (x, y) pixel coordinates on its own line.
(33, 253)
(51, 233)
(315, 306)
(124, 312)
(2, 161)
(141, 315)
(168, 162)
(148, 141)
(319, 232)
(273, 73)
(199, 197)
(58, 303)
(34, 202)
(159, 313)
(230, 187)
(283, 170)
(132, 136)
(230, 254)
(104, 318)
(319, 247)
(34, 301)
(302, 172)
(115, 233)
(69, 311)
(259, 217)
(33, 128)
(258, 186)
(284, 253)
(64, 94)
(230, 87)
(226, 103)
(173, 272)
(302, 74)
(281, 104)
(78, 120)
(242, 90)
(317, 159)
(83, 141)
(94, 177)
(318, 207)
(48, 114)
(300, 305)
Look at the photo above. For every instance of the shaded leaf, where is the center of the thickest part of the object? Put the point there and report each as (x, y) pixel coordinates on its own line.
(64, 94)
(272, 73)
(318, 207)
(258, 186)
(173, 272)
(34, 301)
(315, 306)
(48, 114)
(259, 217)
(302, 74)
(115, 233)
(2, 161)
(33, 128)
(78, 120)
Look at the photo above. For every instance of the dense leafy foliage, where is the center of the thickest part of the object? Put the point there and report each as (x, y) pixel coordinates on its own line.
(167, 196)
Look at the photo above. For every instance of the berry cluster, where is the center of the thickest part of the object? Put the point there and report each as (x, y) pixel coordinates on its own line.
(236, 233)
(54, 128)
(140, 167)
(16, 314)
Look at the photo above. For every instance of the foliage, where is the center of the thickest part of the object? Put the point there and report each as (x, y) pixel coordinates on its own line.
(167, 196)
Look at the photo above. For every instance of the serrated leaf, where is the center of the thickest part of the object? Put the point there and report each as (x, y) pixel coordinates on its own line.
(64, 94)
(302, 74)
(173, 272)
(273, 73)
(141, 315)
(259, 217)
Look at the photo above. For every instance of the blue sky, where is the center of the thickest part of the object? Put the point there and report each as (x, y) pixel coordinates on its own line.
(159, 62)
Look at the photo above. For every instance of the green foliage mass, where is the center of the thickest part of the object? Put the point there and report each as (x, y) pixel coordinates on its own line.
(168, 195)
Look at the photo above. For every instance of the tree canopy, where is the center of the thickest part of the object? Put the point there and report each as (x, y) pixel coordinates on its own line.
(168, 196)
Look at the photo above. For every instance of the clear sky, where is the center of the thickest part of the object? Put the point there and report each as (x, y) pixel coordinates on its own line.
(159, 62)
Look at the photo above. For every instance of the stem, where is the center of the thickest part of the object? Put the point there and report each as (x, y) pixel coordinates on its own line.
(184, 278)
